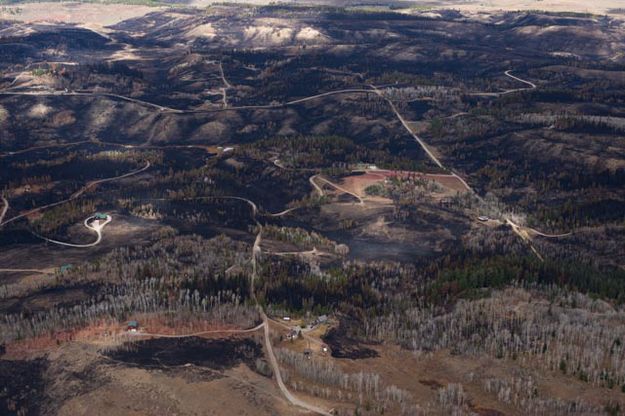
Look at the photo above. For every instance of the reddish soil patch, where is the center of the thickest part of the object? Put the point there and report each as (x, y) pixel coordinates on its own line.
(358, 183)
(448, 181)
(107, 332)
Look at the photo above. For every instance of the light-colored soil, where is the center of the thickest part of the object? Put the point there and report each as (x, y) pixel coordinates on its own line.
(448, 181)
(359, 183)
(98, 15)
(134, 391)
(422, 375)
(112, 333)
(579, 6)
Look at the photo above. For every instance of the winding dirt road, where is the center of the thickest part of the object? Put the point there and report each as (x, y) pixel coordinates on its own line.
(5, 208)
(274, 364)
(256, 251)
(95, 225)
(340, 188)
(75, 195)
(532, 86)
(314, 184)
(100, 181)
(281, 213)
(54, 93)
(523, 232)
(30, 149)
(165, 109)
(421, 143)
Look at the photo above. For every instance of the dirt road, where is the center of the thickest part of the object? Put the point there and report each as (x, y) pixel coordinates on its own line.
(197, 334)
(274, 364)
(256, 251)
(97, 227)
(339, 188)
(30, 149)
(227, 85)
(423, 145)
(5, 208)
(162, 108)
(506, 92)
(314, 184)
(55, 93)
(531, 84)
(281, 213)
(76, 194)
(41, 271)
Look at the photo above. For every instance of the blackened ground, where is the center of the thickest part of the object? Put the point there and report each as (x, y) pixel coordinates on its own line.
(344, 347)
(168, 352)
(21, 387)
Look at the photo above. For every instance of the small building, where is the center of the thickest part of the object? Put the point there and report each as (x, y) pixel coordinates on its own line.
(65, 268)
(308, 353)
(286, 318)
(446, 202)
(228, 149)
(100, 216)
(483, 218)
(132, 326)
(322, 319)
(295, 332)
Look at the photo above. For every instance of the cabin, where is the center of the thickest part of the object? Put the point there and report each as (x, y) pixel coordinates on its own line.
(100, 216)
(483, 218)
(132, 326)
(65, 268)
(294, 332)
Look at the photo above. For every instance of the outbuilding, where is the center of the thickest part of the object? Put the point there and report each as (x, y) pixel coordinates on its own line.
(65, 268)
(133, 326)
